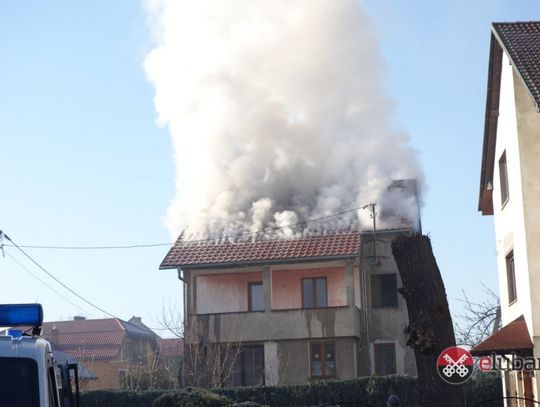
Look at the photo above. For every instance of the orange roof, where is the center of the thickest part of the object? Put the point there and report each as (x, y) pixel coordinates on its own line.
(90, 338)
(512, 338)
(197, 254)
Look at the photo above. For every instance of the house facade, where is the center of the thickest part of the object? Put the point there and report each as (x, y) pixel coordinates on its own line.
(510, 191)
(109, 348)
(294, 310)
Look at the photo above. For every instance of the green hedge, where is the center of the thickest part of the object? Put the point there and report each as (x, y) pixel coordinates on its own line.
(484, 387)
(191, 397)
(113, 398)
(369, 391)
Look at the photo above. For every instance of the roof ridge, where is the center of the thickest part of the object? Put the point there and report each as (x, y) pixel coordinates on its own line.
(224, 240)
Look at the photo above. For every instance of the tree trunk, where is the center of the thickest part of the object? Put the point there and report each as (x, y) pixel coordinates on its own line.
(430, 327)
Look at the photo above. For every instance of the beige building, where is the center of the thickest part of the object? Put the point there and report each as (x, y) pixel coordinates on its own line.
(109, 348)
(510, 191)
(312, 308)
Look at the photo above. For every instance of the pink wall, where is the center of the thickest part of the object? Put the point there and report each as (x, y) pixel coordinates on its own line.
(224, 292)
(287, 286)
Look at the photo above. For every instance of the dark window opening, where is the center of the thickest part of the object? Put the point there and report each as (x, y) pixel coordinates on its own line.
(323, 360)
(19, 384)
(256, 296)
(384, 290)
(314, 293)
(248, 367)
(385, 359)
(511, 278)
(503, 175)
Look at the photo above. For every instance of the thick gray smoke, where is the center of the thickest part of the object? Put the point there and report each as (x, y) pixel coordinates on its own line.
(278, 114)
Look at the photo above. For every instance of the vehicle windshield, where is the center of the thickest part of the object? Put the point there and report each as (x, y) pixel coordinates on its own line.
(19, 382)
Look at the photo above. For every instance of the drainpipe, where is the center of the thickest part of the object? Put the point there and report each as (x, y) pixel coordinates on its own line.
(184, 292)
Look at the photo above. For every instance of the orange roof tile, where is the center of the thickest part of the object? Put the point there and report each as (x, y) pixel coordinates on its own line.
(513, 337)
(333, 245)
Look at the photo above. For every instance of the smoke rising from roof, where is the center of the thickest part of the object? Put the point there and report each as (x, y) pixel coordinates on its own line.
(277, 113)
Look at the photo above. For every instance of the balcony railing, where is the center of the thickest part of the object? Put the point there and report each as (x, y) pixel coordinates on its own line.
(277, 324)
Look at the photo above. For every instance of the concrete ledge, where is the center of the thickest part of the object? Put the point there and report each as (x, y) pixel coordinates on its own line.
(278, 325)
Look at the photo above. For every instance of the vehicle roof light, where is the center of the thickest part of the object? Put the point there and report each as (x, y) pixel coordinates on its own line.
(21, 314)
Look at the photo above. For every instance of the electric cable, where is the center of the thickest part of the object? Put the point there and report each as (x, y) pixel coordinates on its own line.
(45, 284)
(13, 244)
(212, 239)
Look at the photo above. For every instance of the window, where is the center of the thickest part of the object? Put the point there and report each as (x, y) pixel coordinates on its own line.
(511, 277)
(385, 358)
(384, 290)
(314, 293)
(19, 385)
(323, 360)
(255, 296)
(503, 175)
(248, 369)
(122, 378)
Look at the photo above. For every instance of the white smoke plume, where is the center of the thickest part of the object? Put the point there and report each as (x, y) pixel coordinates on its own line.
(278, 114)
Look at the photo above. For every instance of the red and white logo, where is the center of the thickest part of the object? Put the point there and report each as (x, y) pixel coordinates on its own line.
(455, 365)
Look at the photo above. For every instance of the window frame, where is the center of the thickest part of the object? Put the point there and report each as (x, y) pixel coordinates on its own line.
(314, 292)
(250, 298)
(511, 277)
(240, 363)
(395, 304)
(383, 345)
(323, 376)
(503, 179)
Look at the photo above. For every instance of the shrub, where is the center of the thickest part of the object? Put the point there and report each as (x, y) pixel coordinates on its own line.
(367, 391)
(113, 398)
(485, 391)
(191, 397)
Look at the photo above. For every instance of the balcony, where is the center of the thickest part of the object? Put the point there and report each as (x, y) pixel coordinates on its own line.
(277, 324)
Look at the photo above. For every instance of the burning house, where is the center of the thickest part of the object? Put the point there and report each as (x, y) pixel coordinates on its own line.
(290, 310)
(278, 115)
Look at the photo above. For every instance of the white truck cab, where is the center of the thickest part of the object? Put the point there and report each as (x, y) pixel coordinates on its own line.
(28, 374)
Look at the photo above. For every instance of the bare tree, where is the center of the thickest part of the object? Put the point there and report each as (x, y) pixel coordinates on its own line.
(147, 371)
(479, 319)
(205, 364)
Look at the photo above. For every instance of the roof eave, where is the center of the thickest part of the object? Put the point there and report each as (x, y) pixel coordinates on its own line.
(259, 262)
(485, 204)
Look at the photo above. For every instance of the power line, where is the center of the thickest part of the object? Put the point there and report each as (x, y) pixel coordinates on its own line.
(55, 278)
(13, 244)
(212, 239)
(45, 284)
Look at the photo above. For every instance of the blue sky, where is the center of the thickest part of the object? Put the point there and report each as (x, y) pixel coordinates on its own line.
(85, 164)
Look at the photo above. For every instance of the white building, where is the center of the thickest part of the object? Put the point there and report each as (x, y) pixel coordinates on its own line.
(510, 191)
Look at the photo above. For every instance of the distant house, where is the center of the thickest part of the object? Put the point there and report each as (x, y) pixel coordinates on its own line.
(171, 353)
(510, 191)
(292, 310)
(108, 348)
